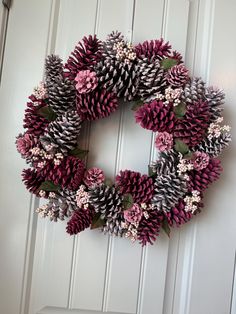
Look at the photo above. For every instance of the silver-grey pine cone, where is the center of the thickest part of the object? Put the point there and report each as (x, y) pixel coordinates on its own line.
(53, 68)
(194, 90)
(152, 78)
(168, 189)
(120, 77)
(114, 226)
(214, 146)
(107, 201)
(166, 163)
(108, 50)
(63, 133)
(61, 95)
(215, 98)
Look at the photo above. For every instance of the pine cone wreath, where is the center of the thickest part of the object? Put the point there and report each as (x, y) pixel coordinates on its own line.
(33, 121)
(53, 69)
(85, 55)
(169, 188)
(156, 116)
(119, 77)
(152, 78)
(214, 146)
(80, 220)
(153, 49)
(193, 127)
(61, 95)
(200, 180)
(68, 175)
(32, 180)
(215, 98)
(63, 133)
(194, 91)
(166, 163)
(106, 200)
(97, 104)
(149, 228)
(139, 186)
(178, 215)
(177, 76)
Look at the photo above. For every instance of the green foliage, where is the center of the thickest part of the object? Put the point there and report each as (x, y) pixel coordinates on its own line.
(49, 186)
(127, 201)
(47, 113)
(168, 63)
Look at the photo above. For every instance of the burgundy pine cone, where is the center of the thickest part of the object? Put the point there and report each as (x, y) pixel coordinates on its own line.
(156, 116)
(85, 55)
(80, 220)
(32, 180)
(68, 174)
(98, 104)
(193, 127)
(139, 186)
(200, 180)
(177, 215)
(153, 49)
(33, 122)
(149, 229)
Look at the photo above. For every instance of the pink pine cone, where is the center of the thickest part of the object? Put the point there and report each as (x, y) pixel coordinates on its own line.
(94, 177)
(86, 81)
(164, 141)
(200, 160)
(178, 75)
(24, 143)
(133, 214)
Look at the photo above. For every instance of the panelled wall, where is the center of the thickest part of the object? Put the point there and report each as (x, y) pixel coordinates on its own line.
(46, 271)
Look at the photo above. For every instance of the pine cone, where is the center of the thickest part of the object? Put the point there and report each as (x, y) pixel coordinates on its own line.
(153, 49)
(200, 180)
(114, 226)
(114, 38)
(166, 163)
(214, 146)
(192, 128)
(177, 76)
(152, 78)
(139, 186)
(177, 215)
(107, 201)
(215, 98)
(24, 143)
(68, 174)
(176, 56)
(120, 77)
(53, 68)
(80, 220)
(148, 229)
(35, 123)
(61, 95)
(63, 133)
(156, 116)
(69, 197)
(98, 104)
(32, 180)
(86, 54)
(194, 90)
(169, 188)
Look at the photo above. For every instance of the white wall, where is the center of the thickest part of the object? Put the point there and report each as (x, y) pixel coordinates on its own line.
(43, 269)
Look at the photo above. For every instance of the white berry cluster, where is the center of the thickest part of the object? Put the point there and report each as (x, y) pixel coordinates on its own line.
(171, 96)
(125, 52)
(215, 129)
(40, 91)
(82, 198)
(45, 211)
(40, 157)
(191, 202)
(184, 166)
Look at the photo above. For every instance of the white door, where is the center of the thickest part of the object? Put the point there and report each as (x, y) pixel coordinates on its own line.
(42, 269)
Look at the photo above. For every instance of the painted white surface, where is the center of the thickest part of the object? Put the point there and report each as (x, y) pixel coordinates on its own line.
(45, 271)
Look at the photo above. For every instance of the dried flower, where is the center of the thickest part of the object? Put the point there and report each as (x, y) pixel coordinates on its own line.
(191, 202)
(164, 141)
(94, 177)
(82, 198)
(40, 91)
(86, 81)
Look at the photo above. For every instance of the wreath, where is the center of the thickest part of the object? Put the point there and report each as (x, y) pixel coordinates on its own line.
(185, 115)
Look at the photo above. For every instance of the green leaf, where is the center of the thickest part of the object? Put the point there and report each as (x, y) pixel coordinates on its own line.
(166, 227)
(151, 173)
(180, 110)
(108, 182)
(47, 113)
(137, 105)
(189, 155)
(181, 147)
(127, 201)
(168, 63)
(49, 186)
(78, 152)
(97, 221)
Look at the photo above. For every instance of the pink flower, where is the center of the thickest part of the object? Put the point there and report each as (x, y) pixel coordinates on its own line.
(24, 143)
(86, 81)
(164, 141)
(200, 161)
(93, 177)
(133, 214)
